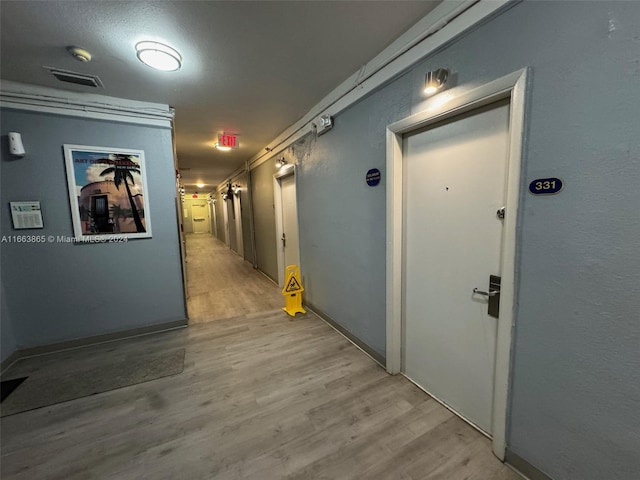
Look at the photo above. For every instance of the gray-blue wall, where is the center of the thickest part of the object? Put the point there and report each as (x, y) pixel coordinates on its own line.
(61, 291)
(342, 220)
(7, 339)
(575, 401)
(247, 242)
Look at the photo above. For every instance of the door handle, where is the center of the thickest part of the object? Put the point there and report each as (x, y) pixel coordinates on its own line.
(284, 240)
(490, 293)
(493, 294)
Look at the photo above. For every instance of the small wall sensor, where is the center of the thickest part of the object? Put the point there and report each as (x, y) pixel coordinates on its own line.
(324, 124)
(15, 144)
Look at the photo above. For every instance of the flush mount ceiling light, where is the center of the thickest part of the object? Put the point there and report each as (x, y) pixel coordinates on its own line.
(200, 185)
(435, 80)
(159, 56)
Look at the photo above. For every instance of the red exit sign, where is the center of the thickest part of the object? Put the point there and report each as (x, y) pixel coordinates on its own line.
(228, 140)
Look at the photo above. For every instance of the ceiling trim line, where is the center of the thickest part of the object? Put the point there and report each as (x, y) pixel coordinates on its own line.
(19, 96)
(305, 130)
(230, 178)
(441, 26)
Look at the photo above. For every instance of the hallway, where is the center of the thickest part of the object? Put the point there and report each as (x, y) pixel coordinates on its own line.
(262, 396)
(222, 285)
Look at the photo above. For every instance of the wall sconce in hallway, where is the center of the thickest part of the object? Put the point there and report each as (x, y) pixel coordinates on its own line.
(228, 194)
(435, 80)
(281, 162)
(236, 189)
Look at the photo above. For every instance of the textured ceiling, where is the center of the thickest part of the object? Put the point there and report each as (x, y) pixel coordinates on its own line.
(251, 67)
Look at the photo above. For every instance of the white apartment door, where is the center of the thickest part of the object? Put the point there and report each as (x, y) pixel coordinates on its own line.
(287, 219)
(290, 248)
(200, 218)
(455, 187)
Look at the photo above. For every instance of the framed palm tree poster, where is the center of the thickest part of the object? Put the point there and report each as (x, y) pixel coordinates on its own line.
(108, 193)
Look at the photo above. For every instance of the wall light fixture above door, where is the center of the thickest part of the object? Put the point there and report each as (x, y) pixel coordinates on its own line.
(435, 80)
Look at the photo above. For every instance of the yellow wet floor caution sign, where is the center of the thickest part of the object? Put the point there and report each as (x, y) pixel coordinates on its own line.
(292, 291)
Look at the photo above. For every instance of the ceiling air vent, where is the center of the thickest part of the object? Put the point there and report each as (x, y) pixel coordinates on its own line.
(75, 77)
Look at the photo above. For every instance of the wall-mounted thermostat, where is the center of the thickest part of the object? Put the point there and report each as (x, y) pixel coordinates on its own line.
(26, 215)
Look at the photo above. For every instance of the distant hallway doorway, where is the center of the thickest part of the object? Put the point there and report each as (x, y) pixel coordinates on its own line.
(222, 285)
(200, 218)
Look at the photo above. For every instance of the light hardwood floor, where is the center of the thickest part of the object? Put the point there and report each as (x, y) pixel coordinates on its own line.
(222, 285)
(262, 396)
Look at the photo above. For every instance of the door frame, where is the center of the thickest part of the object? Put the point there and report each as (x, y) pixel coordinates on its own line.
(225, 224)
(213, 217)
(284, 171)
(182, 244)
(237, 213)
(440, 107)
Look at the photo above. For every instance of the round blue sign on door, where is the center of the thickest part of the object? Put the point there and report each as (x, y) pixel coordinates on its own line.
(373, 177)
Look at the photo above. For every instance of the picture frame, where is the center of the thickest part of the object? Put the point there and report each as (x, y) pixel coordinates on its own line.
(108, 193)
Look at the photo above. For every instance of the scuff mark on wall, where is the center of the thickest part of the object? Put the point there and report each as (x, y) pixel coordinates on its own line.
(612, 26)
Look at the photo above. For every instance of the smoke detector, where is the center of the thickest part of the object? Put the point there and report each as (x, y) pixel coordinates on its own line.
(79, 54)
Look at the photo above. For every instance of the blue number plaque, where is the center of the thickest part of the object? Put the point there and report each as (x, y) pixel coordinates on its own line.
(546, 186)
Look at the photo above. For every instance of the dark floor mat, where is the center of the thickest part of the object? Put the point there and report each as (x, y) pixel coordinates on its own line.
(44, 390)
(8, 386)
